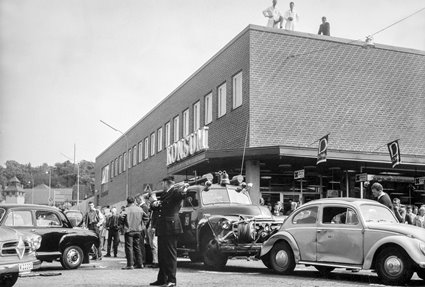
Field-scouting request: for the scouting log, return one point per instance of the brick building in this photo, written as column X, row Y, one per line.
column 266, row 98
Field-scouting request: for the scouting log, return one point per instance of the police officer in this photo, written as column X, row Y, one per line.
column 168, row 229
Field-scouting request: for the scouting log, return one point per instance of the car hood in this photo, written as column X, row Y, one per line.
column 7, row 234
column 237, row 210
column 406, row 229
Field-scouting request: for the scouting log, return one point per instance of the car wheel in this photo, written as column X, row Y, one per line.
column 394, row 266
column 324, row 270
column 282, row 258
column 212, row 256
column 421, row 273
column 195, row 257
column 72, row 257
column 8, row 280
column 266, row 261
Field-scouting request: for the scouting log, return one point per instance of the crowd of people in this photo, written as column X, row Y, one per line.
column 289, row 19
column 145, row 220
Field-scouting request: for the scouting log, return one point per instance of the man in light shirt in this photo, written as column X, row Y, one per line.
column 275, row 19
column 291, row 17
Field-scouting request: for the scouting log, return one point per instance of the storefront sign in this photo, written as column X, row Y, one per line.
column 419, row 180
column 298, row 174
column 361, row 177
column 193, row 143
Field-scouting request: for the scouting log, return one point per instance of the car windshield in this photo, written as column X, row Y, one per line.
column 225, row 195
column 2, row 212
column 376, row 213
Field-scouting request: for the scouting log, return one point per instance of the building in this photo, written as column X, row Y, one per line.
column 42, row 194
column 263, row 102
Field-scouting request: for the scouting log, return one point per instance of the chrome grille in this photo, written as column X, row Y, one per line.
column 9, row 248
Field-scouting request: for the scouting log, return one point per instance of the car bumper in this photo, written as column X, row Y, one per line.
column 14, row 267
column 240, row 249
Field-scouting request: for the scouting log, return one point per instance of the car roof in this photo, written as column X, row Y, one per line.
column 346, row 200
column 32, row 206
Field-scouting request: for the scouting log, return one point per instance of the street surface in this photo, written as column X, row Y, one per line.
column 238, row 272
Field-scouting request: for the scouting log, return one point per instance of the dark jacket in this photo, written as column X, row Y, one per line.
column 168, row 221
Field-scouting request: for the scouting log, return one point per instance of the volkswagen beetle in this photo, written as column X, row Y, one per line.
column 350, row 233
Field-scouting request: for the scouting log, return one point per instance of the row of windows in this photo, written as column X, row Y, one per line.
column 154, row 143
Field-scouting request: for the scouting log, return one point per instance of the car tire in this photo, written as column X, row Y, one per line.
column 282, row 258
column 266, row 261
column 72, row 257
column 324, row 270
column 394, row 266
column 195, row 257
column 8, row 280
column 211, row 254
column 421, row 273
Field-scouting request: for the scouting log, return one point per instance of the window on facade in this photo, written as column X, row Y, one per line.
column 221, row 100
column 167, row 134
column 134, row 155
column 146, row 148
column 237, row 90
column 208, row 108
column 105, row 174
column 159, row 139
column 186, row 123
column 196, row 116
column 111, row 169
column 140, row 151
column 176, row 123
column 130, row 157
column 120, row 164
column 116, row 166
column 152, row 144
column 125, row 161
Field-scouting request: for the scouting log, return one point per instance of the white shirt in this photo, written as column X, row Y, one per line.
column 275, row 15
column 290, row 25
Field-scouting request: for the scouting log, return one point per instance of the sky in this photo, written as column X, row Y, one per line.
column 65, row 65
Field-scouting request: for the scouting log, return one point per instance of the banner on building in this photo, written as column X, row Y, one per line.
column 323, row 149
column 394, row 149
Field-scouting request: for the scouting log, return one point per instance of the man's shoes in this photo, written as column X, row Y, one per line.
column 156, row 283
column 139, row 267
column 99, row 258
column 128, row 268
column 107, row 255
column 115, row 255
column 154, row 265
column 170, row 284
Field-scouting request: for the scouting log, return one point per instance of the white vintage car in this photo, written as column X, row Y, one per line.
column 350, row 233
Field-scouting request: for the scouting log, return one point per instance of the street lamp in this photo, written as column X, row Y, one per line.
column 128, row 155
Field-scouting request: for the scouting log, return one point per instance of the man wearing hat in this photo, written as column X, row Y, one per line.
column 168, row 229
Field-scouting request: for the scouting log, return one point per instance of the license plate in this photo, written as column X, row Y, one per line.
column 25, row 267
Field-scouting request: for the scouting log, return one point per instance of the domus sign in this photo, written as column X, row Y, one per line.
column 188, row 146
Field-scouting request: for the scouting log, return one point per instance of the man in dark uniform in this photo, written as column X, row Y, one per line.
column 168, row 229
column 383, row 197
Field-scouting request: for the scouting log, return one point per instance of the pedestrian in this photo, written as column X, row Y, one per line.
column 113, row 232
column 151, row 228
column 292, row 208
column 168, row 229
column 133, row 219
column 139, row 203
column 102, row 228
column 382, row 197
column 93, row 220
column 420, row 218
column 275, row 19
column 291, row 17
column 415, row 210
column 410, row 216
column 399, row 211
column 325, row 27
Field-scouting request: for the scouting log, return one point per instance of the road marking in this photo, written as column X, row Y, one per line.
column 229, row 273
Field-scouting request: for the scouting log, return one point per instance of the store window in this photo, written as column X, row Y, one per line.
column 159, row 138
column 152, row 144
column 208, row 108
column 146, row 147
column 176, row 134
column 237, row 90
column 196, row 116
column 186, row 123
column 221, row 100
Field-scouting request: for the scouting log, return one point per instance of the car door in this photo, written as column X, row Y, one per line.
column 303, row 229
column 340, row 236
column 49, row 225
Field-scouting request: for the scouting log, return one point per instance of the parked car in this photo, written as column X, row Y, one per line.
column 348, row 233
column 60, row 240
column 17, row 255
column 220, row 221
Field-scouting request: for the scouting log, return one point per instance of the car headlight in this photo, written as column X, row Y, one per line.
column 422, row 247
column 35, row 242
column 225, row 224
